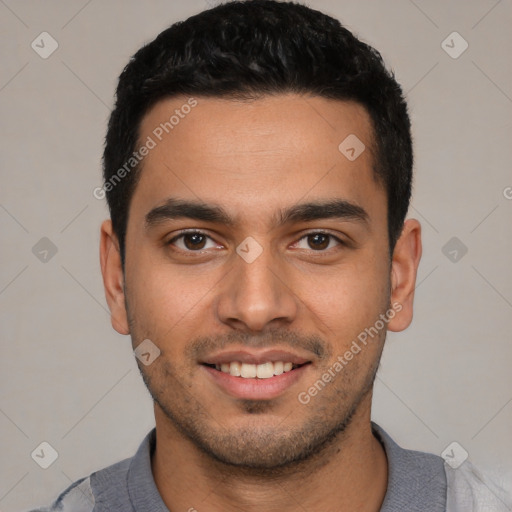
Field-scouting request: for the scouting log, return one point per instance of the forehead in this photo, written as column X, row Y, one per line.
column 259, row 155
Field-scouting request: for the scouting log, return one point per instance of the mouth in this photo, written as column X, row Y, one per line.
column 264, row 370
column 255, row 375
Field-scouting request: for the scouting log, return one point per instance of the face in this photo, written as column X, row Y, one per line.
column 256, row 246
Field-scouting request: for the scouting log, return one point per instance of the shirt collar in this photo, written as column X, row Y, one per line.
column 142, row 489
column 416, row 480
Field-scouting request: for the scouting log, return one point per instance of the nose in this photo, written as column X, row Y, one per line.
column 256, row 293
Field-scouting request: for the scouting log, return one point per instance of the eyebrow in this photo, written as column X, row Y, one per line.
column 175, row 208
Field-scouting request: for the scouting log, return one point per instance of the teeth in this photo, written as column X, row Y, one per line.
column 278, row 367
column 265, row 370
column 250, row 371
column 234, row 369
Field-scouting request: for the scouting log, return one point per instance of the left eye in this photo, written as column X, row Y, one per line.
column 319, row 241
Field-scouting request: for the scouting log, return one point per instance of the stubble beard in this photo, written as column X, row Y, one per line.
column 259, row 451
column 264, row 450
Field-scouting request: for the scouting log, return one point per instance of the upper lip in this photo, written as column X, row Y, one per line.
column 254, row 357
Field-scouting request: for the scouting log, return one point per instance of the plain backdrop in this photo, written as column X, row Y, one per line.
column 69, row 380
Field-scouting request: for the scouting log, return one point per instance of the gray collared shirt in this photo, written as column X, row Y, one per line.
column 417, row 482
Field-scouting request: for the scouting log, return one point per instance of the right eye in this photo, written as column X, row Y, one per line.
column 190, row 241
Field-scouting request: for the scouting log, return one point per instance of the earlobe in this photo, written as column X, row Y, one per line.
column 113, row 278
column 404, row 267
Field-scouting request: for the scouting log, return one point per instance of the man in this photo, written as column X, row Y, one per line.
column 258, row 169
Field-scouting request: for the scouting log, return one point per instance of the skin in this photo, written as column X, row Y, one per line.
column 216, row 452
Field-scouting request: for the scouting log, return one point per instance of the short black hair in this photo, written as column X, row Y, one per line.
column 246, row 50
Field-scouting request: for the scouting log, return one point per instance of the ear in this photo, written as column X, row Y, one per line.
column 113, row 279
column 404, row 267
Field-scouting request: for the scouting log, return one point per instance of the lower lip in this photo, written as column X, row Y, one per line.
column 255, row 389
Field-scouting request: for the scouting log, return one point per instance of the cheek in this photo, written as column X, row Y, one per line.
column 166, row 299
column 349, row 298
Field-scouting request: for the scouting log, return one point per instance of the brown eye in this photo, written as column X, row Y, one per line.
column 318, row 241
column 193, row 241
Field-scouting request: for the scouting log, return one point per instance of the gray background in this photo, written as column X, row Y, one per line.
column 68, row 379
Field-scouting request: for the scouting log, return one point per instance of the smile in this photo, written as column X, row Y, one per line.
column 260, row 371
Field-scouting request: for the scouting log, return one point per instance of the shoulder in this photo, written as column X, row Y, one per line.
column 471, row 491
column 84, row 494
column 78, row 497
column 112, row 488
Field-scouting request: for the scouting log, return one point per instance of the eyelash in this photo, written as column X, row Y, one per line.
column 196, row 232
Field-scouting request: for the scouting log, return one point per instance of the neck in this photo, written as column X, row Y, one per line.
column 350, row 474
